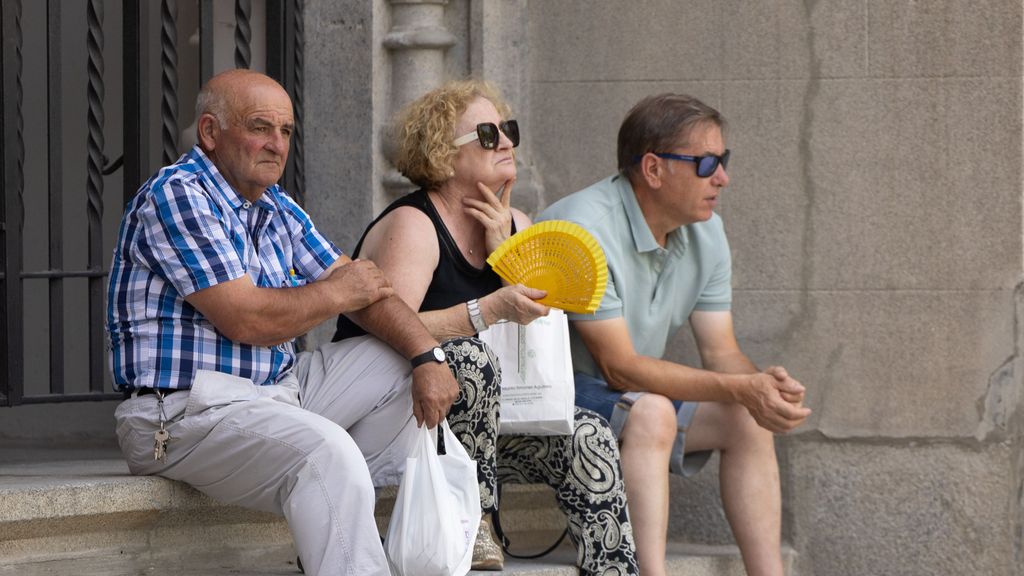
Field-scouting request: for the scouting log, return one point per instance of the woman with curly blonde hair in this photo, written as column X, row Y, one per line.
column 427, row 153
column 456, row 144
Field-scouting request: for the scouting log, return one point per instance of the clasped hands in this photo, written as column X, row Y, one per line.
column 775, row 400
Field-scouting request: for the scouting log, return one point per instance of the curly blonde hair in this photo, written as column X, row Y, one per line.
column 426, row 130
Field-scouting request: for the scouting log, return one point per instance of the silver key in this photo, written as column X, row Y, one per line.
column 160, row 445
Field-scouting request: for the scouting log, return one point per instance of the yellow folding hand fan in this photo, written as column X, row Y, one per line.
column 558, row 256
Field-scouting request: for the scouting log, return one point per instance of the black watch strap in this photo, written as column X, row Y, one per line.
column 435, row 354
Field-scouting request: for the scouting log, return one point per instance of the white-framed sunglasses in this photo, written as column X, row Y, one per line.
column 488, row 134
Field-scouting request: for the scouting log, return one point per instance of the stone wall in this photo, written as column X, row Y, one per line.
column 875, row 222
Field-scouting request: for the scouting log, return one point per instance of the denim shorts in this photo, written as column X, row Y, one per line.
column 594, row 393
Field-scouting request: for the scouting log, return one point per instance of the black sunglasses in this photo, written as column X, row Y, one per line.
column 706, row 165
column 488, row 135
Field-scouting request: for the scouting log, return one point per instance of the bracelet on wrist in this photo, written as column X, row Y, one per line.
column 476, row 318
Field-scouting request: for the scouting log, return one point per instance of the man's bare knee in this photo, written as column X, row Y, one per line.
column 741, row 428
column 651, row 422
column 723, row 426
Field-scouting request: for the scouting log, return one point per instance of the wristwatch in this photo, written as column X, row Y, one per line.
column 435, row 354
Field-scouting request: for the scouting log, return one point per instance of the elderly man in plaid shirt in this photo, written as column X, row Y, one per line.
column 215, row 273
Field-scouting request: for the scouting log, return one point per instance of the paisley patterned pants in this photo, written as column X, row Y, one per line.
column 583, row 468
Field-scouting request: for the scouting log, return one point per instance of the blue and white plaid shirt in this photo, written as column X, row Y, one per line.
column 187, row 230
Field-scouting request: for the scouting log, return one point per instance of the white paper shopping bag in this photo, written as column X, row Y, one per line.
column 537, row 389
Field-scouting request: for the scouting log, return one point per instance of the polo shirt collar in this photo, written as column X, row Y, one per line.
column 643, row 238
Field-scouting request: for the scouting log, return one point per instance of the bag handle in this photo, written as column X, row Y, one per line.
column 505, row 542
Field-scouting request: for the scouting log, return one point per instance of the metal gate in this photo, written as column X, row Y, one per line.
column 95, row 96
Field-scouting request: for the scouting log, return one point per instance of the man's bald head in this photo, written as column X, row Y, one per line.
column 244, row 126
column 220, row 95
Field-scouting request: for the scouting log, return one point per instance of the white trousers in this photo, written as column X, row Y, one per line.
column 315, row 461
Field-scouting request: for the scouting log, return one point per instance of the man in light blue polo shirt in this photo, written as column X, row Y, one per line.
column 669, row 263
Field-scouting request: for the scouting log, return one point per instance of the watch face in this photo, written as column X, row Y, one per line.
column 438, row 354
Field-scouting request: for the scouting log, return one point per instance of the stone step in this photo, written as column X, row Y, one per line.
column 525, row 508
column 71, row 510
column 682, row 560
column 68, row 512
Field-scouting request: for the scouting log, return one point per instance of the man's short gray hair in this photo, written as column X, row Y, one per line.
column 212, row 102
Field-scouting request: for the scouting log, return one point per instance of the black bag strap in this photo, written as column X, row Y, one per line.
column 505, row 542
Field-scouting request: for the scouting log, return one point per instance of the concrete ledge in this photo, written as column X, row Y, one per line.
column 89, row 516
column 55, row 506
column 66, row 508
column 52, row 490
column 525, row 508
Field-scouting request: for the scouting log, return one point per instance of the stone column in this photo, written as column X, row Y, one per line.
column 499, row 52
column 416, row 43
column 340, row 108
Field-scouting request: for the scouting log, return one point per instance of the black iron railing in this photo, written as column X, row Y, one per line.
column 45, row 354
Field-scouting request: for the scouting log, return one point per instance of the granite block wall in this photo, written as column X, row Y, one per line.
column 874, row 216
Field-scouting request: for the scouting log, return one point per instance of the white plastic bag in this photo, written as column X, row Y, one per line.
column 537, row 387
column 437, row 511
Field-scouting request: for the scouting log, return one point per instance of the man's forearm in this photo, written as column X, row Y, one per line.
column 269, row 316
column 735, row 363
column 266, row 316
column 395, row 324
column 673, row 380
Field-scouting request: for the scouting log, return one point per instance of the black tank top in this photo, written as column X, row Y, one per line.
column 455, row 280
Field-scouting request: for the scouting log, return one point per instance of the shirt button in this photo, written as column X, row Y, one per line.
column 246, row 204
